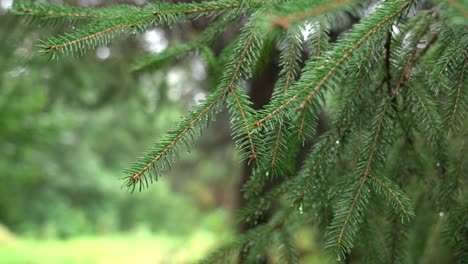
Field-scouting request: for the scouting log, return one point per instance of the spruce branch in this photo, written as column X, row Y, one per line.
column 237, row 69
column 425, row 111
column 290, row 69
column 379, row 19
column 163, row 9
column 312, row 169
column 245, row 112
column 49, row 11
column 400, row 202
column 351, row 208
column 274, row 163
column 414, row 37
column 137, row 20
column 449, row 60
column 248, row 48
column 458, row 108
column 93, row 35
column 349, row 52
column 160, row 158
column 353, row 98
column 452, row 47
column 318, row 40
column 318, row 43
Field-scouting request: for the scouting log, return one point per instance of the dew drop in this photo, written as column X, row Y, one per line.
column 337, row 142
column 300, row 209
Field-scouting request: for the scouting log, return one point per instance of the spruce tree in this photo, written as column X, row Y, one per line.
column 392, row 163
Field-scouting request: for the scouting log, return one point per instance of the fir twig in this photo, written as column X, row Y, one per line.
column 333, row 67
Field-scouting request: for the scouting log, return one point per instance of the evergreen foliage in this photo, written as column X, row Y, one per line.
column 393, row 86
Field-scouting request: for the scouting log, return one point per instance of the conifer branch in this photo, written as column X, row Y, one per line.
column 338, row 125
column 226, row 87
column 359, row 139
column 331, row 139
column 197, row 9
column 136, row 20
column 169, row 147
column 428, row 114
column 349, row 52
column 351, row 208
column 246, row 124
column 459, row 88
column 376, row 138
column 302, row 124
column 318, row 44
column 276, row 147
column 84, row 38
column 289, row 75
column 290, row 55
column 444, row 67
column 90, row 36
column 332, row 69
column 277, row 142
column 55, row 11
column 346, row 220
column 405, row 74
column 234, row 93
column 393, row 194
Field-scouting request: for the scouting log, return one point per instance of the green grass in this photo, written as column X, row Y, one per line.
column 115, row 250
